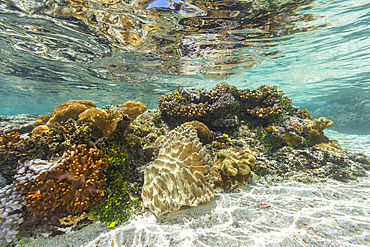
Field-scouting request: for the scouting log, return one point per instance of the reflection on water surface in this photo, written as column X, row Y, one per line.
column 111, row 51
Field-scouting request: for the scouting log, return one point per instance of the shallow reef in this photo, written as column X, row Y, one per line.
column 82, row 163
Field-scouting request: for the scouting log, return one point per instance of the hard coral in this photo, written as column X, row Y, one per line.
column 73, row 182
column 101, row 122
column 235, row 167
column 204, row 134
column 183, row 173
column 132, row 108
column 10, row 215
column 61, row 114
column 224, row 106
column 316, row 131
column 70, row 109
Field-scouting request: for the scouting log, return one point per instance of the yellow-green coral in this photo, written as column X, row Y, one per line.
column 119, row 201
column 235, row 167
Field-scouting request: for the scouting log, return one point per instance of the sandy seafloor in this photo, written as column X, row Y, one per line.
column 260, row 213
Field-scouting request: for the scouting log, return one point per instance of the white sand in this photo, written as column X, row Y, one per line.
column 281, row 214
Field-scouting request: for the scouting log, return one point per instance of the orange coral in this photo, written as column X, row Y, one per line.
column 74, row 181
column 7, row 140
column 101, row 122
column 132, row 108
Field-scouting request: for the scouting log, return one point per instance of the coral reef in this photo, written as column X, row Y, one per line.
column 101, row 122
column 234, row 166
column 73, row 182
column 10, row 215
column 48, row 145
column 182, row 174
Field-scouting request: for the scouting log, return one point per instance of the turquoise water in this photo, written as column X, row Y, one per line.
column 317, row 52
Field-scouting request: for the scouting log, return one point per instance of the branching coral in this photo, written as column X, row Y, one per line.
column 73, row 182
column 10, row 216
column 224, row 106
column 183, row 173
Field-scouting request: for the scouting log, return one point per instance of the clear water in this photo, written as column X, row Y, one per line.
column 316, row 51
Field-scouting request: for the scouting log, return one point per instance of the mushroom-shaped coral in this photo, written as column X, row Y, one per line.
column 181, row 175
column 235, row 167
column 101, row 122
column 10, row 216
column 74, row 181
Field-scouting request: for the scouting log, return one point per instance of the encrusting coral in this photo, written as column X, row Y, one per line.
column 182, row 174
column 10, row 215
column 74, row 181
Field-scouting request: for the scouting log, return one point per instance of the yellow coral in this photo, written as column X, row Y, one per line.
column 235, row 167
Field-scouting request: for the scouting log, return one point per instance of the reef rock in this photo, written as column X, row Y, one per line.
column 183, row 173
column 10, row 215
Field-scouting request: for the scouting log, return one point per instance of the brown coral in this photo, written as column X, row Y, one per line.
column 132, row 108
column 70, row 109
column 235, row 167
column 181, row 175
column 316, row 130
column 101, row 122
column 74, row 181
column 204, row 134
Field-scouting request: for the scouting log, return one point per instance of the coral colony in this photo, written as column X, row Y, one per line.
column 82, row 163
